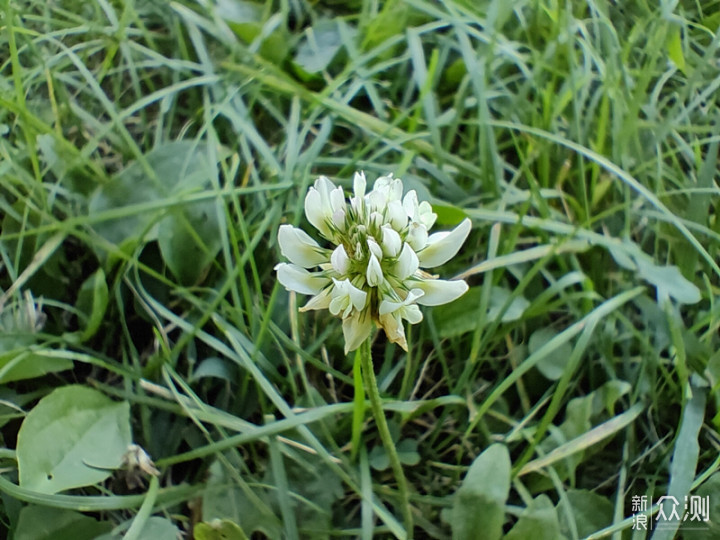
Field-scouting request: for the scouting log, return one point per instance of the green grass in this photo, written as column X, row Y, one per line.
column 151, row 149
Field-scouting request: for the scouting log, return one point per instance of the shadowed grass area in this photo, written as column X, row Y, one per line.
column 149, row 152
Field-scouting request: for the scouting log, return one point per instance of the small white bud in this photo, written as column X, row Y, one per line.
column 374, row 248
column 374, row 273
column 340, row 261
column 417, row 236
column 396, row 215
column 391, row 242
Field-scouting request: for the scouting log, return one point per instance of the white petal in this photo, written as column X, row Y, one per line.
column 388, row 306
column 313, row 211
column 412, row 314
column 374, row 247
column 337, row 199
column 407, row 263
column 376, row 219
column 442, row 247
column 391, row 242
column 318, row 204
column 410, row 203
column 359, row 185
column 338, row 219
column 413, row 296
column 356, row 329
column 358, row 201
column 357, row 297
column 299, row 247
column 340, row 260
column 440, row 291
column 374, row 273
column 396, row 215
column 395, row 189
column 376, row 200
column 346, row 296
column 319, row 301
column 417, row 236
column 425, row 214
column 382, row 182
column 394, row 330
column 338, row 304
column 297, row 279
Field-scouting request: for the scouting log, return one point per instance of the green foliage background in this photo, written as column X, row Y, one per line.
column 149, row 151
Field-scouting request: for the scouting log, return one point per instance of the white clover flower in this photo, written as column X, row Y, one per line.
column 374, row 271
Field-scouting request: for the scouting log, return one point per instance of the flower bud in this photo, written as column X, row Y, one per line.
column 396, row 215
column 340, row 260
column 374, row 273
column 391, row 242
column 417, row 236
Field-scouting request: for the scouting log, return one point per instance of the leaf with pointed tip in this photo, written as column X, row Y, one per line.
column 74, row 437
column 479, row 503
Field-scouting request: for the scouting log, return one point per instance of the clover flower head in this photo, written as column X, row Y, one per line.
column 373, row 273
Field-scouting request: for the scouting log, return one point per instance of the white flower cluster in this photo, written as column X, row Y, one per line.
column 373, row 273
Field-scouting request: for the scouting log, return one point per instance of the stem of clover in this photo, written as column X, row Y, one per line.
column 371, row 387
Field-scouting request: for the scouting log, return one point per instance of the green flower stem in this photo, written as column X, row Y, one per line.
column 374, row 395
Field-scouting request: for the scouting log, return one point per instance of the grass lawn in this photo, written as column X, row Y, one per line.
column 157, row 381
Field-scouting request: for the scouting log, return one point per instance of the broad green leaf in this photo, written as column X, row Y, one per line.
column 74, row 437
column 406, row 451
column 552, row 364
column 609, row 393
column 669, row 282
column 538, row 521
column 19, row 324
column 176, row 166
column 21, row 363
column 92, row 300
column 318, row 46
column 215, row 367
column 621, row 257
column 581, row 414
column 479, row 503
column 448, row 216
column 318, row 489
column 498, row 298
column 158, row 528
column 46, row 523
column 684, row 460
column 219, row 530
column 452, row 319
column 155, row 528
column 247, row 20
column 189, row 239
column 12, row 404
column 590, row 512
column 458, row 317
column 225, row 499
column 188, row 233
